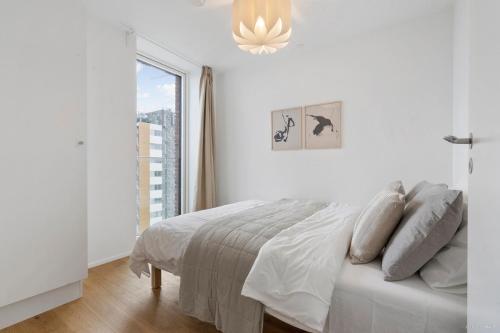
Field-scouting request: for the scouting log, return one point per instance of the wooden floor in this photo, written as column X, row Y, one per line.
column 115, row 300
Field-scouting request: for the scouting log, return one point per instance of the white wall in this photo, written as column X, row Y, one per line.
column 43, row 237
column 111, row 94
column 193, row 116
column 396, row 89
column 111, row 142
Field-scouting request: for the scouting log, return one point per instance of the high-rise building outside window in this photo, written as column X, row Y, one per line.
column 159, row 140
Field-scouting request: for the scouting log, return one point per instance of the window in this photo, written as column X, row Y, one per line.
column 159, row 142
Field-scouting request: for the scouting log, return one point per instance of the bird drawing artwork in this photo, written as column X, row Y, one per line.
column 323, row 127
column 323, row 123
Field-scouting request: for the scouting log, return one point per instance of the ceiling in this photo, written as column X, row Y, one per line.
column 203, row 34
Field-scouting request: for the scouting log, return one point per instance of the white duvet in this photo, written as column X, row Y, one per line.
column 295, row 272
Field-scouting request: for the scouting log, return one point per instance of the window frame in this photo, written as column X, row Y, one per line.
column 184, row 122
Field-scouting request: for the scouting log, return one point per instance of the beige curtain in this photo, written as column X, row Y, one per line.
column 205, row 189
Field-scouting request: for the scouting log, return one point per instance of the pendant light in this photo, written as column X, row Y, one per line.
column 262, row 26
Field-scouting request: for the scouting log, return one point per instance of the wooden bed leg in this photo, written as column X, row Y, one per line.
column 155, row 277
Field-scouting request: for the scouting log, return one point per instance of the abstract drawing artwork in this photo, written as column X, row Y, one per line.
column 323, row 126
column 287, row 129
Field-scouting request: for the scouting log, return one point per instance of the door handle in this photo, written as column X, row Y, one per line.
column 460, row 141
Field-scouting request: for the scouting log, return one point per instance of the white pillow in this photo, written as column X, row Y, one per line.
column 447, row 271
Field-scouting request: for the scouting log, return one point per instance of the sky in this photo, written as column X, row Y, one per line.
column 155, row 88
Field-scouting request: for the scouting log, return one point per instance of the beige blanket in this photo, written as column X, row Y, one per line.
column 220, row 256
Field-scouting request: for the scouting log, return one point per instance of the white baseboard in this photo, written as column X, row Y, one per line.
column 109, row 259
column 30, row 307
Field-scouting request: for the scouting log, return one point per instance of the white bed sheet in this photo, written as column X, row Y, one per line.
column 364, row 303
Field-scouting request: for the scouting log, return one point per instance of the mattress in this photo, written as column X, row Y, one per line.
column 364, row 302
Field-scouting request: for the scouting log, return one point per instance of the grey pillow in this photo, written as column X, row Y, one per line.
column 421, row 186
column 430, row 220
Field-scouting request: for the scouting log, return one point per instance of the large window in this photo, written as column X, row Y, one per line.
column 159, row 151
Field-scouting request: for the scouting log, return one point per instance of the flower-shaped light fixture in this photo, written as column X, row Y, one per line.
column 262, row 26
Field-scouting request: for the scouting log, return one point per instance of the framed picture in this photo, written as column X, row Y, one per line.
column 323, row 126
column 286, row 129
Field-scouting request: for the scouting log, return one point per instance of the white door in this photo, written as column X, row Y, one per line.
column 43, row 243
column 484, row 182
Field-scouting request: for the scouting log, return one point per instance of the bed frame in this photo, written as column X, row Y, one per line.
column 155, row 277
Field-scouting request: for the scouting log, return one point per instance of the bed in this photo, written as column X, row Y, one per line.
column 361, row 301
